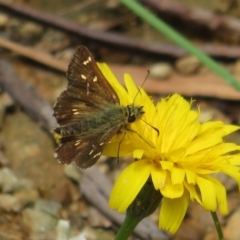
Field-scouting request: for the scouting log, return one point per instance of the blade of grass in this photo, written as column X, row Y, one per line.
column 161, row 26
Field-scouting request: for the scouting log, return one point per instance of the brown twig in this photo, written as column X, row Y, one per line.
column 200, row 85
column 111, row 39
column 27, row 98
column 106, row 38
column 197, row 15
column 34, row 54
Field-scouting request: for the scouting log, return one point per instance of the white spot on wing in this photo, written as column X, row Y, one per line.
column 77, row 142
column 87, row 61
column 88, row 88
column 97, row 154
column 83, row 77
column 91, row 152
column 95, row 79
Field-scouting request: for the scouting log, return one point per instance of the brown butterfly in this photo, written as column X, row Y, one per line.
column 88, row 112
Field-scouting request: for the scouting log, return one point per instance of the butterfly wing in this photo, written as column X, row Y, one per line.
column 87, row 93
column 83, row 153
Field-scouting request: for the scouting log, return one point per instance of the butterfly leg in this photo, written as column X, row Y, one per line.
column 118, row 152
column 130, row 130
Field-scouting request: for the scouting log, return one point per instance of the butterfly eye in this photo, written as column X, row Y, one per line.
column 131, row 118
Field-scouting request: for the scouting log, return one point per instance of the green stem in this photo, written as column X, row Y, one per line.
column 217, row 225
column 181, row 41
column 146, row 202
column 129, row 224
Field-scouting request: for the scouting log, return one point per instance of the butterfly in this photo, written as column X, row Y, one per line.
column 88, row 112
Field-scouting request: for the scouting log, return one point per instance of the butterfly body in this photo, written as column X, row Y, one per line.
column 109, row 118
column 88, row 113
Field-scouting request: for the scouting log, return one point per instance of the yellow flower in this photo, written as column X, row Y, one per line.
column 180, row 160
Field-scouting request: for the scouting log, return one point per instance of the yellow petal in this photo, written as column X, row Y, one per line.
column 172, row 213
column 138, row 153
column 235, row 159
column 191, row 177
column 122, row 93
column 128, row 185
column 172, row 191
column 233, row 172
column 208, row 193
column 203, row 143
column 177, row 175
column 220, row 194
column 131, row 87
column 193, row 193
column 158, row 177
column 226, row 148
column 166, row 165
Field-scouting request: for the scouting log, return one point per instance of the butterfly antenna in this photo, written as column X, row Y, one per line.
column 148, row 73
column 139, row 89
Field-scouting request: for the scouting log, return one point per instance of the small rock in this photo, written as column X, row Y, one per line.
column 91, row 233
column 189, row 230
column 53, row 41
column 79, row 237
column 24, row 184
column 63, row 193
column 160, row 70
column 231, row 230
column 38, row 221
column 26, row 196
column 201, row 217
column 8, row 180
column 211, row 234
column 51, row 207
column 19, row 200
column 207, row 111
column 4, row 19
column 12, row 28
column 5, row 102
column 112, row 4
column 10, row 236
column 72, row 172
column 31, row 30
column 188, row 65
column 223, row 6
column 66, row 55
column 96, row 219
column 233, row 201
column 10, row 203
column 62, row 229
column 236, row 68
column 3, row 159
column 228, row 182
column 88, row 233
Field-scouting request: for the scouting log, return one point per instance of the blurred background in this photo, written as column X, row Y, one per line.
column 41, row 199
